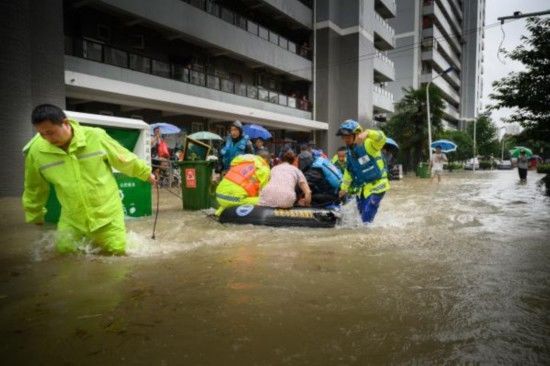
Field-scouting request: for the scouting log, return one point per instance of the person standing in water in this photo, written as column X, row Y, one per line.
column 365, row 171
column 436, row 164
column 523, row 165
column 77, row 161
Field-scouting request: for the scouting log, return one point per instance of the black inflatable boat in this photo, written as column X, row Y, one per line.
column 258, row 215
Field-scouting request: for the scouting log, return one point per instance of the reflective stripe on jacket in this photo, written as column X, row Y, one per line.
column 82, row 177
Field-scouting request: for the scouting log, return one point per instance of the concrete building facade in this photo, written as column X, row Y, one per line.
column 298, row 67
column 432, row 36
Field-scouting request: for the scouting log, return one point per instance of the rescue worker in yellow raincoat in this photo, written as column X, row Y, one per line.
column 242, row 183
column 365, row 169
column 77, row 161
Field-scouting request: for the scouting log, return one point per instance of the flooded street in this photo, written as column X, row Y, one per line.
column 451, row 273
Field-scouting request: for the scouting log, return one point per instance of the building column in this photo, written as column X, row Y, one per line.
column 32, row 72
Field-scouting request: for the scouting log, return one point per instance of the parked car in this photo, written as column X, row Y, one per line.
column 504, row 165
column 470, row 164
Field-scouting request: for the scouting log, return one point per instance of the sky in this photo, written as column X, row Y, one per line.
column 513, row 29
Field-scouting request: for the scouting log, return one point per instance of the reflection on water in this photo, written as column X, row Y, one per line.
column 456, row 272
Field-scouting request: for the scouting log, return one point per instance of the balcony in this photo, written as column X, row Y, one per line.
column 441, row 64
column 457, row 9
column 383, row 68
column 434, row 11
column 450, row 111
column 442, row 44
column 450, row 16
column 209, row 24
column 382, row 100
column 448, row 92
column 386, row 8
column 104, row 54
column 384, row 34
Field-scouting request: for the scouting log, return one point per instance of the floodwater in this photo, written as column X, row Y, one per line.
column 451, row 273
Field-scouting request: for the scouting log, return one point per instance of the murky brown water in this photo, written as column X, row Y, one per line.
column 458, row 272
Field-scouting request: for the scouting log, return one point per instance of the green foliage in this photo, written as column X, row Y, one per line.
column 464, row 144
column 543, row 168
column 409, row 125
column 453, row 166
column 486, row 136
column 485, row 164
column 527, row 91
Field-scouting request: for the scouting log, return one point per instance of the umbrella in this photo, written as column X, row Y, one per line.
column 205, row 135
column 516, row 150
column 445, row 145
column 165, row 128
column 256, row 132
column 391, row 142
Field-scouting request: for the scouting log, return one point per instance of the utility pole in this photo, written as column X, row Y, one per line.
column 519, row 15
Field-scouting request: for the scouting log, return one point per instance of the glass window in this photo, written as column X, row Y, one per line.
column 241, row 90
column 140, row 63
column 213, row 8
column 241, row 22
column 292, row 102
column 227, row 86
column 213, row 82
column 197, row 78
column 273, row 97
column 263, row 33
column 115, row 57
column 263, row 95
column 283, row 42
column 252, row 27
column 228, row 15
column 283, row 99
column 161, row 68
column 292, row 47
column 69, row 46
column 92, row 51
column 273, row 38
column 198, row 3
column 181, row 73
column 252, row 91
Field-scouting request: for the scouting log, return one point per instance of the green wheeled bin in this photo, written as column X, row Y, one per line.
column 423, row 170
column 197, row 189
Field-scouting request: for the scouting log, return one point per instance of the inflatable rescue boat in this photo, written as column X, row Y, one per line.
column 297, row 216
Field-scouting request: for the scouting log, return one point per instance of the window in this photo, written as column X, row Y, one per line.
column 252, row 27
column 140, row 63
column 137, row 41
column 115, row 57
column 227, row 85
column 92, row 51
column 263, row 95
column 213, row 82
column 181, row 73
column 161, row 68
column 263, row 33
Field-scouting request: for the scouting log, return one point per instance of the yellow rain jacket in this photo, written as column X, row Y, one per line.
column 373, row 145
column 241, row 185
column 85, row 186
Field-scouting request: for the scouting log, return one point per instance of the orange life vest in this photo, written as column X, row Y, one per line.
column 243, row 175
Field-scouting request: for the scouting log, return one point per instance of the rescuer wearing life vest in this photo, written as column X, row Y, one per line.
column 236, row 143
column 78, row 162
column 243, row 181
column 365, row 171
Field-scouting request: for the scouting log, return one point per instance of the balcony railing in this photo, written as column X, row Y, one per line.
column 385, row 24
column 383, row 92
column 384, row 58
column 98, row 52
column 246, row 24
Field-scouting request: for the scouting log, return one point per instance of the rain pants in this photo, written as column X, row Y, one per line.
column 91, row 206
column 373, row 145
column 254, row 174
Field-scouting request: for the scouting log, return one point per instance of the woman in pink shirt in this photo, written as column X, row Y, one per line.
column 280, row 192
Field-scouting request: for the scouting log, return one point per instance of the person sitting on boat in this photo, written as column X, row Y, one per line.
column 236, row 143
column 280, row 192
column 243, row 181
column 324, row 180
column 365, row 169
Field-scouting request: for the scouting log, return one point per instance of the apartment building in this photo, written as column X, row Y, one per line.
column 298, row 67
column 432, row 36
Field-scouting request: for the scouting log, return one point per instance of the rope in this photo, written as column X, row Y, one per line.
column 500, row 49
column 156, row 213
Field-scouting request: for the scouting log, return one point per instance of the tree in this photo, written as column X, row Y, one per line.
column 486, row 136
column 527, row 91
column 409, row 124
column 464, row 144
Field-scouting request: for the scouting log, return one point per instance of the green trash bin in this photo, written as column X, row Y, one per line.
column 197, row 189
column 423, row 170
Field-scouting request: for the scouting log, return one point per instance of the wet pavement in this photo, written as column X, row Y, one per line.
column 451, row 273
